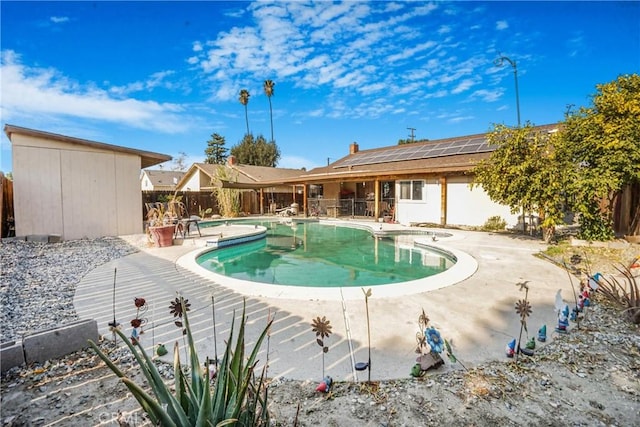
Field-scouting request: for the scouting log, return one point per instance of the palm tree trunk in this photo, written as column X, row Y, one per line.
column 246, row 116
column 271, row 116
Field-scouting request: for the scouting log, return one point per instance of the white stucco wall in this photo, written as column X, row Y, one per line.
column 73, row 190
column 473, row 207
column 420, row 211
column 193, row 183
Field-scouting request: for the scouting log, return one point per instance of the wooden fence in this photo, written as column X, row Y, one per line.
column 195, row 201
column 7, row 224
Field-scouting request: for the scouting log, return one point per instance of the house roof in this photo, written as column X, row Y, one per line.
column 164, row 178
column 450, row 155
column 148, row 158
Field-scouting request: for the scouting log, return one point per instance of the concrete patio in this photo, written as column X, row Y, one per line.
column 476, row 315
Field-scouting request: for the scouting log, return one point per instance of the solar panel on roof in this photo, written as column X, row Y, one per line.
column 420, row 151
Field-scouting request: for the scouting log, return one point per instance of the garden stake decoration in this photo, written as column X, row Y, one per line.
column 322, row 329
column 523, row 308
column 137, row 323
column 361, row 366
column 574, row 314
column 562, row 310
column 429, row 346
column 114, row 324
column 178, row 308
column 215, row 338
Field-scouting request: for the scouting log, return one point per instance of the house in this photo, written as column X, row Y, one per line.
column 75, row 188
column 159, row 180
column 425, row 182
column 260, row 186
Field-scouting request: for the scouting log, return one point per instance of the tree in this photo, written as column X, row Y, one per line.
column 179, row 163
column 523, row 172
column 269, row 91
column 603, row 143
column 244, row 100
column 228, row 199
column 257, row 152
column 216, row 152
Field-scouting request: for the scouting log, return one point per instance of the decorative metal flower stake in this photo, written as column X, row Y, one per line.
column 523, row 308
column 322, row 329
column 177, row 308
column 429, row 345
column 138, row 322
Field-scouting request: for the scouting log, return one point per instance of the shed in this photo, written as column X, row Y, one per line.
column 76, row 188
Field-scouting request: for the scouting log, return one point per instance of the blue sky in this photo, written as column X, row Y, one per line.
column 164, row 76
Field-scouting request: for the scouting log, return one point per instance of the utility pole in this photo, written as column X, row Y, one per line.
column 412, row 134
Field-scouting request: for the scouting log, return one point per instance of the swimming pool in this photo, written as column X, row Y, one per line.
column 321, row 255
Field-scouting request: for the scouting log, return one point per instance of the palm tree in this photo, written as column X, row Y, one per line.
column 268, row 90
column 244, row 100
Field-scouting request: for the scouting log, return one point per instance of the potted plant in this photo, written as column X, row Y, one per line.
column 160, row 225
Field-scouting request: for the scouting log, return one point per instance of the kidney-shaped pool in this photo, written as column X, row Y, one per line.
column 321, row 255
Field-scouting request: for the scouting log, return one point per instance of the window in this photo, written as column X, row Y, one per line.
column 411, row 190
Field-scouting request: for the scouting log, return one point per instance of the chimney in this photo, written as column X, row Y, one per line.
column 231, row 160
column 353, row 148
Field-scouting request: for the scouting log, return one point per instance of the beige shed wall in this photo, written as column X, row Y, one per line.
column 73, row 190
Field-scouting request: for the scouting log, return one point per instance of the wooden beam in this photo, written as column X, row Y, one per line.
column 443, row 200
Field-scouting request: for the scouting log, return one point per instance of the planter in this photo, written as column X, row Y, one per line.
column 162, row 236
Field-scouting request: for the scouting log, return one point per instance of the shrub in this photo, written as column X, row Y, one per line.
column 623, row 292
column 494, row 223
column 237, row 397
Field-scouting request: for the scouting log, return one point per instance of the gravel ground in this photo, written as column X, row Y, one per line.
column 589, row 377
column 37, row 280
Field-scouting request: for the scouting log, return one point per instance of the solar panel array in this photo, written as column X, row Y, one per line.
column 420, row 151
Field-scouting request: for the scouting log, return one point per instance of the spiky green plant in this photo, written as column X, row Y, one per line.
column 238, row 396
column 623, row 292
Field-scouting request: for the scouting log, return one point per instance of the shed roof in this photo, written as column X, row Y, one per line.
column 148, row 158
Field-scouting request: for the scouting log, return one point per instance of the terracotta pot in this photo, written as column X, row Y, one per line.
column 163, row 235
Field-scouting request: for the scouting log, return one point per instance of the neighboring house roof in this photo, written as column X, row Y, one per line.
column 148, row 158
column 162, row 178
column 243, row 176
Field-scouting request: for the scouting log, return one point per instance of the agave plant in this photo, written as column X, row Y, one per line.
column 237, row 397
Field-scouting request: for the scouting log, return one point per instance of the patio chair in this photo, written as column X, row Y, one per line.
column 182, row 220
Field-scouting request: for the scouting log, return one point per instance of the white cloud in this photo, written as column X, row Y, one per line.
column 59, row 19
column 487, row 95
column 463, row 86
column 502, row 25
column 30, row 91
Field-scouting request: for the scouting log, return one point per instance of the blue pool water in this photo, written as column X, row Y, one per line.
column 319, row 255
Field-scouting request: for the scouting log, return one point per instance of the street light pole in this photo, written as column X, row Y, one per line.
column 498, row 62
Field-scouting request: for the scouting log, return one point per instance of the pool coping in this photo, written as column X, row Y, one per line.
column 464, row 267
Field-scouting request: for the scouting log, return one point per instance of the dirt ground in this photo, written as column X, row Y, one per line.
column 587, row 377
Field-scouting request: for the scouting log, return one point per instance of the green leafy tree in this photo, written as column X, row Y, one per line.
column 216, row 152
column 523, row 172
column 256, row 151
column 602, row 141
column 269, row 91
column 244, row 100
